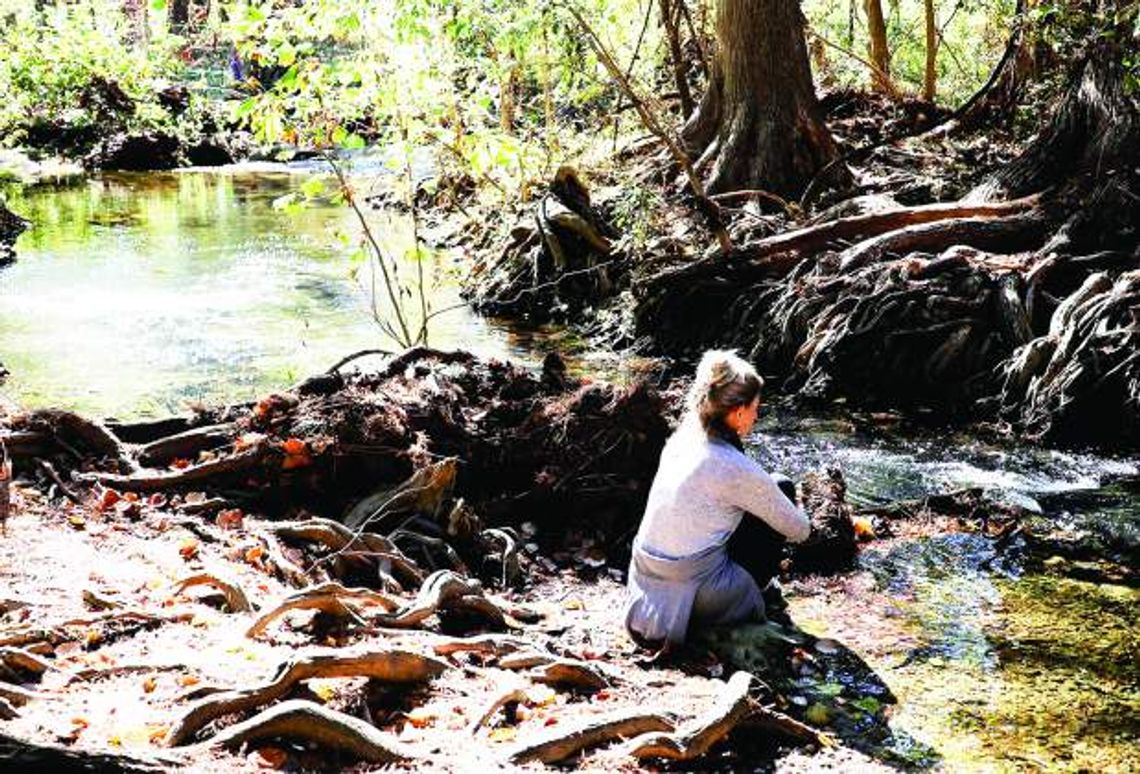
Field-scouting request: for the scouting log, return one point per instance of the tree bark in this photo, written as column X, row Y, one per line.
column 758, row 125
column 669, row 22
column 928, row 81
column 880, row 54
column 178, row 16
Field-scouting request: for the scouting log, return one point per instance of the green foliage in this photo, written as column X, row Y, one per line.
column 66, row 63
column 971, row 37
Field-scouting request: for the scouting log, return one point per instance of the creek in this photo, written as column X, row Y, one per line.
column 137, row 295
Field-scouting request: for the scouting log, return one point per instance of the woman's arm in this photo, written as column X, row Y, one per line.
column 751, row 488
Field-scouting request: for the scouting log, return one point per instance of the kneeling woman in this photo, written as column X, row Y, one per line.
column 681, row 572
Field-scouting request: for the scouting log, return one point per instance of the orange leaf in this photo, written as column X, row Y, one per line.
column 294, row 461
column 180, row 463
column 109, row 498
column 189, row 548
column 294, row 446
column 253, row 555
column 229, row 519
column 188, row 680
column 270, row 757
column 864, row 527
column 149, row 684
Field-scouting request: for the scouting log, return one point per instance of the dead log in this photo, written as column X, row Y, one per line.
column 393, row 666
column 693, row 739
column 305, row 721
column 562, row 745
column 15, row 695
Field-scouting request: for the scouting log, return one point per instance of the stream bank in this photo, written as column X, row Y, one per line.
column 482, row 485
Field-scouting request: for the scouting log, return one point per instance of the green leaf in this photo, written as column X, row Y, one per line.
column 353, row 142
column 313, row 187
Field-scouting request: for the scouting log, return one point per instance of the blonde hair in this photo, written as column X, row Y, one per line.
column 724, row 381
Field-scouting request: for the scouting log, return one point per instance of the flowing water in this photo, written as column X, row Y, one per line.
column 135, row 295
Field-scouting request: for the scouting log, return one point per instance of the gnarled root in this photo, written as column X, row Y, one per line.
column 297, row 719
column 236, row 600
column 339, row 539
column 329, row 598
column 563, row 745
column 443, row 590
column 152, row 481
column 15, row 695
column 396, row 666
column 15, row 662
column 483, row 644
column 696, row 737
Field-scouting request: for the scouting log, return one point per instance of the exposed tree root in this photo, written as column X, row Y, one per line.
column 7, row 711
column 15, row 662
column 777, row 255
column 483, row 644
column 443, row 590
column 19, row 755
column 329, row 598
column 305, row 721
column 565, row 744
column 765, row 719
column 693, row 739
column 236, row 600
column 339, row 538
column 194, row 475
column 186, row 444
column 512, row 696
column 396, row 666
column 15, row 695
column 572, row 674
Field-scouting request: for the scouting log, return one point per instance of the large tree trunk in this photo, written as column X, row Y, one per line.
column 880, row 54
column 758, row 124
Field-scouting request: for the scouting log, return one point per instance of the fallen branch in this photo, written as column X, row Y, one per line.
column 306, row 721
column 394, row 666
column 329, row 598
column 563, row 745
column 13, row 661
column 236, row 600
column 696, row 737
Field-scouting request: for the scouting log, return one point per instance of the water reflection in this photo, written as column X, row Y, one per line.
column 134, row 294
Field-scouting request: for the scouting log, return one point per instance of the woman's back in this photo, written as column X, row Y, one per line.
column 701, row 491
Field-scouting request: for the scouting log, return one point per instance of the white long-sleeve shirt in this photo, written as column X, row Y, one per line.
column 702, row 489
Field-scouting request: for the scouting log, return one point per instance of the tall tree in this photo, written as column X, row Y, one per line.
column 758, row 124
column 928, row 80
column 880, row 54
